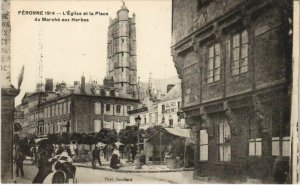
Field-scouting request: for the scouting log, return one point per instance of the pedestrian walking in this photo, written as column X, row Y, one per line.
column 19, row 158
column 96, row 157
column 133, row 152
column 128, row 153
column 108, row 152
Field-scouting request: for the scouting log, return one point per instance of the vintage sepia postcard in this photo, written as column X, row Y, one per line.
column 149, row 91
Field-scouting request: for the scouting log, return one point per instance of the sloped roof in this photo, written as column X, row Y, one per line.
column 180, row 132
column 174, row 93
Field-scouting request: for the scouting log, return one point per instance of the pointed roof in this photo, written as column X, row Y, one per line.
column 123, row 7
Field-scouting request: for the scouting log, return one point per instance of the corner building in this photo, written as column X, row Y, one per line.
column 121, row 51
column 234, row 59
column 82, row 108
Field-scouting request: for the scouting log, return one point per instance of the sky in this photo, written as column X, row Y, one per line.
column 71, row 49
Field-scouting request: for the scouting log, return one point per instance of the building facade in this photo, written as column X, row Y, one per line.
column 121, row 51
column 165, row 113
column 162, row 112
column 82, row 108
column 234, row 60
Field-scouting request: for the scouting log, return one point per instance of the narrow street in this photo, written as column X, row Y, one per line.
column 91, row 176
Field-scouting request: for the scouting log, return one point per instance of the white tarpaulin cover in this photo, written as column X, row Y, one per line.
column 179, row 132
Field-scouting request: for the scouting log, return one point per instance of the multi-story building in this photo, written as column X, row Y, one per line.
column 234, row 60
column 82, row 108
column 162, row 112
column 169, row 106
column 18, row 119
column 165, row 113
column 121, row 51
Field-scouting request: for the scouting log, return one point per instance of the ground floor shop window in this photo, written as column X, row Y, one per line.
column 255, row 140
column 281, row 133
column 255, row 147
column 224, row 141
column 279, row 144
column 203, row 145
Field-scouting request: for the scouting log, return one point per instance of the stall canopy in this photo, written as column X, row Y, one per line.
column 179, row 132
column 145, row 126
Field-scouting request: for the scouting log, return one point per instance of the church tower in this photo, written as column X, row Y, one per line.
column 121, row 51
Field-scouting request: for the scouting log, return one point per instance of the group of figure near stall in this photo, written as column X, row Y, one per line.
column 54, row 165
column 54, row 162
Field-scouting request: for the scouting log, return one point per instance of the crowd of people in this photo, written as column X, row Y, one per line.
column 47, row 156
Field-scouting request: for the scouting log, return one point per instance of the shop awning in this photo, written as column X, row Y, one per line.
column 145, row 126
column 179, row 132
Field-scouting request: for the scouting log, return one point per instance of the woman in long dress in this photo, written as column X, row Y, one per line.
column 115, row 159
column 57, row 169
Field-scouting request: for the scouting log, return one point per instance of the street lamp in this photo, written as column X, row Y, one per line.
column 138, row 155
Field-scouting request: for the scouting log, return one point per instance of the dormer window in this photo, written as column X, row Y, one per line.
column 107, row 92
column 102, row 92
column 112, row 93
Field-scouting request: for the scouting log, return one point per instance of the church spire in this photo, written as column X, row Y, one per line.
column 123, row 7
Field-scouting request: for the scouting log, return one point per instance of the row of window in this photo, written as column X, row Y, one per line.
column 239, row 59
column 35, row 116
column 109, row 108
column 106, row 92
column 167, row 105
column 280, row 143
column 53, row 128
column 112, row 125
column 57, row 109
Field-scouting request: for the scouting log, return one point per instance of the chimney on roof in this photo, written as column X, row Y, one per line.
column 169, row 87
column 108, row 82
column 49, row 85
column 39, row 87
column 82, row 87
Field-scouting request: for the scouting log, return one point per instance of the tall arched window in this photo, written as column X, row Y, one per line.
column 224, row 141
